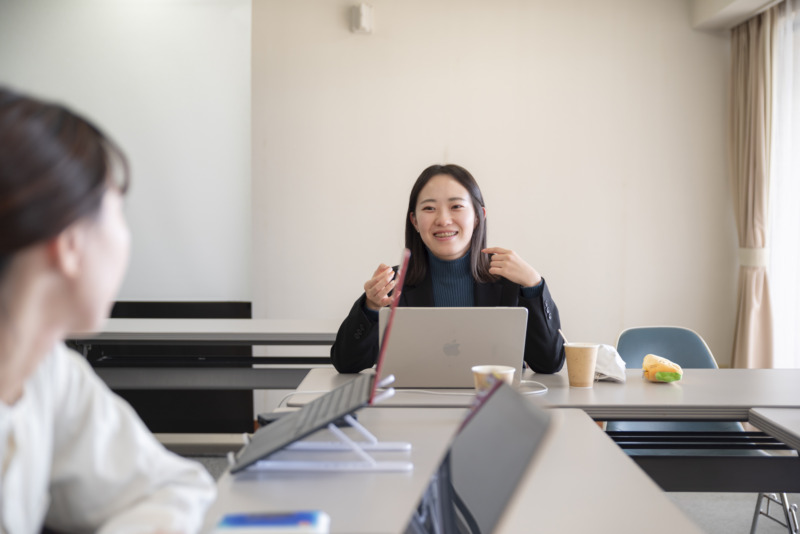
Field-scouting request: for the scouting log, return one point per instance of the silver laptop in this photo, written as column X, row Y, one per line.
column 437, row 347
column 469, row 496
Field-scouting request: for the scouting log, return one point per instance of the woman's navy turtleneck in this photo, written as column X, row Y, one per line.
column 452, row 281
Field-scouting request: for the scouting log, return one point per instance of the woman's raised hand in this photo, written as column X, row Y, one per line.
column 509, row 265
column 378, row 287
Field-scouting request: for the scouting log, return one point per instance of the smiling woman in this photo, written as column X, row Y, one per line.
column 451, row 266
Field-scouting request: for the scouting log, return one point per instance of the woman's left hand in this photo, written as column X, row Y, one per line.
column 509, row 265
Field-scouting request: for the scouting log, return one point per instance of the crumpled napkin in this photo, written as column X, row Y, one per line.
column 610, row 365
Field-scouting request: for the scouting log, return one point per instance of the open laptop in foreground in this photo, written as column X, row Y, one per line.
column 483, row 467
column 324, row 410
column 437, row 347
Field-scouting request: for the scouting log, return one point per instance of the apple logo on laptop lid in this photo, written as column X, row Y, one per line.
column 452, row 348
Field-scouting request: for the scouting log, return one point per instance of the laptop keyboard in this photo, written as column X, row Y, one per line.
column 315, row 415
column 339, row 402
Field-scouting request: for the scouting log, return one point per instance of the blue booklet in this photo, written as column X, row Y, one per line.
column 306, row 521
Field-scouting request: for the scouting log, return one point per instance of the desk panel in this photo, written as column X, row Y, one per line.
column 580, row 481
column 577, row 468
column 207, row 363
column 702, row 394
column 222, row 331
column 780, row 423
column 201, row 373
column 368, row 503
column 209, row 378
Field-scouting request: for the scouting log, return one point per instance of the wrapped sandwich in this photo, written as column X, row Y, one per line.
column 658, row 369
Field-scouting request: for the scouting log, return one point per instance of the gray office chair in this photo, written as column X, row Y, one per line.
column 688, row 349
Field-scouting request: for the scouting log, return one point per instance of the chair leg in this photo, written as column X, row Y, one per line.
column 789, row 512
column 757, row 513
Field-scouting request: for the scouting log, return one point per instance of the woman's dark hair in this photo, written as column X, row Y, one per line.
column 55, row 167
column 479, row 263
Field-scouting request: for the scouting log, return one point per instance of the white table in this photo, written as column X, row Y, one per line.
column 286, row 373
column 780, row 423
column 702, row 394
column 132, row 369
column 578, row 481
column 227, row 331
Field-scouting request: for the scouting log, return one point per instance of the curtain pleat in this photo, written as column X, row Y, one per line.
column 752, row 68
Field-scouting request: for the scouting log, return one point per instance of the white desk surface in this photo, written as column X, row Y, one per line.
column 356, row 502
column 579, row 481
column 780, row 423
column 251, row 331
column 718, row 394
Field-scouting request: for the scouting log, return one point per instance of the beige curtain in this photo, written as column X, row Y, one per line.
column 753, row 57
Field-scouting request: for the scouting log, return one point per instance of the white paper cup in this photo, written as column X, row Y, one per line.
column 486, row 375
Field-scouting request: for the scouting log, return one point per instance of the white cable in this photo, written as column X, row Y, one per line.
column 431, row 392
column 541, row 391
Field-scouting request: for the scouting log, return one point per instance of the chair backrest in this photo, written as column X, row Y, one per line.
column 680, row 345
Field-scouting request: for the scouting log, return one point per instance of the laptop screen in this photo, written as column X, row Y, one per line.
column 485, row 463
column 401, row 276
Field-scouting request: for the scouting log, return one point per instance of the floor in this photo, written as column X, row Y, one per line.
column 728, row 513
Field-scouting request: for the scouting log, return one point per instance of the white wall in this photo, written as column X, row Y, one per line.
column 170, row 81
column 596, row 130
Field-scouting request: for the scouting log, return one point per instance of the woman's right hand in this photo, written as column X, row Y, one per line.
column 378, row 287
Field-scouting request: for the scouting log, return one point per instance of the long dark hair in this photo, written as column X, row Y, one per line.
column 479, row 263
column 55, row 167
